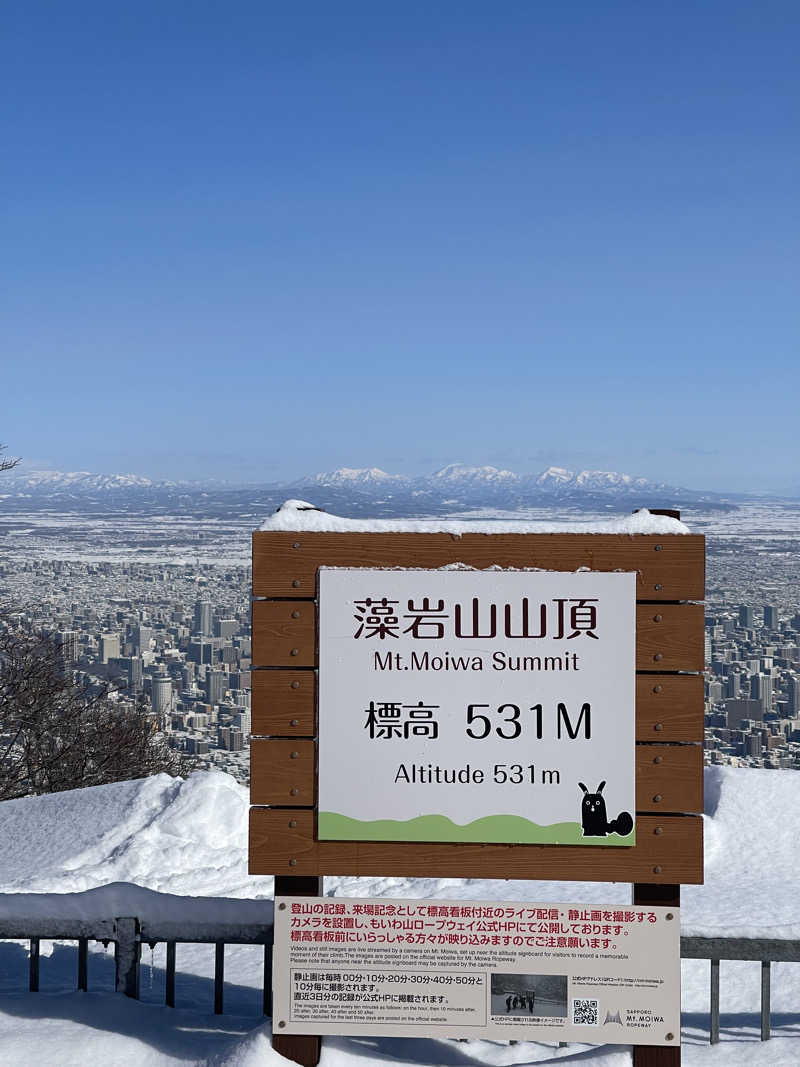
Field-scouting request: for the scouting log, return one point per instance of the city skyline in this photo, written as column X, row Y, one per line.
column 256, row 244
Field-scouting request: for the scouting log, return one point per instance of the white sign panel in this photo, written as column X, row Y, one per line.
column 535, row 972
column 477, row 706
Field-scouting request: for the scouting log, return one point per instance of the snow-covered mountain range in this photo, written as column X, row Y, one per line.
column 454, row 486
column 457, row 479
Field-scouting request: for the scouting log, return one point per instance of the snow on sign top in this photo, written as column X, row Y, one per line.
column 298, row 515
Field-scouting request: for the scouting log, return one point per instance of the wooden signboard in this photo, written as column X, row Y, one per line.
column 668, row 849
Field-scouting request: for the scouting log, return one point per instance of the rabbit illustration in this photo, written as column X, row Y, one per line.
column 594, row 820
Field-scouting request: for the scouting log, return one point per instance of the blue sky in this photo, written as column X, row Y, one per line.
column 255, row 240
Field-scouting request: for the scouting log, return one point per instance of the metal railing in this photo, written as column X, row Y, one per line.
column 763, row 950
column 129, row 933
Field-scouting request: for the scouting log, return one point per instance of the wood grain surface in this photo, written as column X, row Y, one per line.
column 670, row 567
column 283, row 772
column 669, row 707
column 283, row 703
column 669, row 637
column 669, row 778
column 668, row 849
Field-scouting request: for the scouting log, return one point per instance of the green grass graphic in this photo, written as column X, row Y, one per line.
column 492, row 829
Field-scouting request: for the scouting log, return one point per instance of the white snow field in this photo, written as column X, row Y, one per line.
column 150, row 842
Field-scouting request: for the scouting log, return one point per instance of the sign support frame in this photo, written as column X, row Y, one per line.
column 298, row 589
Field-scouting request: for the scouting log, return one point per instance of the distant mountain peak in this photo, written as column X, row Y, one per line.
column 356, row 477
column 460, row 472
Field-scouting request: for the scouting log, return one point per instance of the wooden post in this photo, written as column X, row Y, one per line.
column 302, row 1048
column 666, row 896
column 662, row 896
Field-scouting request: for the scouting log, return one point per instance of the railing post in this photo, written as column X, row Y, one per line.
column 83, row 964
column 219, row 976
column 765, row 975
column 33, row 966
column 169, row 989
column 127, row 949
column 714, row 1021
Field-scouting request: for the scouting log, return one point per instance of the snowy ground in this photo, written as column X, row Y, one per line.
column 189, row 838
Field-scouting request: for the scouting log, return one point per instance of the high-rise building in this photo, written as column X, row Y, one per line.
column 770, row 617
column 761, row 690
column 225, row 628
column 162, row 694
column 746, row 615
column 131, row 669
column 68, row 645
column 216, row 684
column 733, row 685
column 142, row 636
column 109, row 647
column 202, row 618
column 793, row 693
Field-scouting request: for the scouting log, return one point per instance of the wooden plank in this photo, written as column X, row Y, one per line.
column 669, row 637
column 670, row 567
column 669, row 778
column 668, row 850
column 284, row 701
column 282, row 772
column 669, row 707
column 284, row 633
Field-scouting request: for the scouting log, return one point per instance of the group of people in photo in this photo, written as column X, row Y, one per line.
column 517, row 1001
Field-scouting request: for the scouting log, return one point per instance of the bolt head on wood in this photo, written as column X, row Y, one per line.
column 295, row 685
column 658, row 726
column 657, row 798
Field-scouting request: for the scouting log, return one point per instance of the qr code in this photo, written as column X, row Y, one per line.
column 584, row 1012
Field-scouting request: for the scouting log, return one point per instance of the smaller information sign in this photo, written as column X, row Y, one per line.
column 479, row 969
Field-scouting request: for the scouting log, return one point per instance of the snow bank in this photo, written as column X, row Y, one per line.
column 122, row 898
column 300, row 516
column 166, row 834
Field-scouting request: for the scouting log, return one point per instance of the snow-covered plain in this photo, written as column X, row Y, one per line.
column 149, row 842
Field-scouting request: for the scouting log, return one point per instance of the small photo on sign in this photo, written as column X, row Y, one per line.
column 542, row 995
